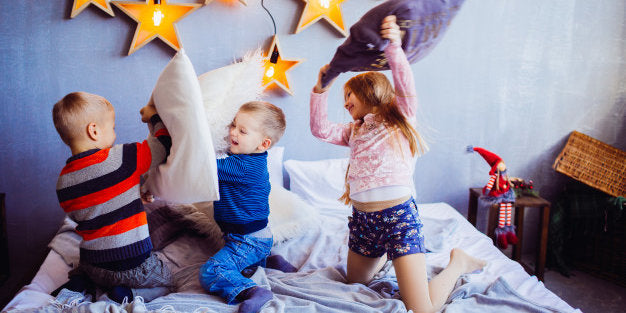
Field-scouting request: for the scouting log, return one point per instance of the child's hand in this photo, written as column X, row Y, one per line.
column 147, row 197
column 318, row 87
column 147, row 111
column 390, row 30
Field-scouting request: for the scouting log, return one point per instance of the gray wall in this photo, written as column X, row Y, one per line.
column 514, row 77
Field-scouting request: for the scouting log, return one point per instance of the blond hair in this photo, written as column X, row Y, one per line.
column 75, row 111
column 272, row 118
column 373, row 89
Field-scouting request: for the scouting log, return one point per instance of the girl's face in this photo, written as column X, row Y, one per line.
column 355, row 107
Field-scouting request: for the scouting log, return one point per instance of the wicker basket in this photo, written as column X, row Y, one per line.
column 594, row 163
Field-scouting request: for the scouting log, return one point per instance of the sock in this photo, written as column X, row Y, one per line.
column 249, row 271
column 118, row 293
column 510, row 235
column 253, row 299
column 509, row 208
column 78, row 283
column 277, row 262
column 502, row 215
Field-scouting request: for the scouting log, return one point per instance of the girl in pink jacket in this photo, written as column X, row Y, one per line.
column 383, row 147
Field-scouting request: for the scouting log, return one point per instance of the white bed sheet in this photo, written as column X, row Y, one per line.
column 325, row 245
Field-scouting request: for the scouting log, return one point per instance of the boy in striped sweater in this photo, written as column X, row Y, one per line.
column 99, row 189
column 243, row 209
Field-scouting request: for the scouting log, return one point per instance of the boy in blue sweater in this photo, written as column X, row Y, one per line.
column 243, row 209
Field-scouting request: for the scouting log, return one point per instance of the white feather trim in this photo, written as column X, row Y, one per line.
column 225, row 89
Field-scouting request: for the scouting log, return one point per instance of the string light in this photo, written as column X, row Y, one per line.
column 275, row 66
column 274, row 58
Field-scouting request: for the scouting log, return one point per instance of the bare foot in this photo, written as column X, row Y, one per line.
column 467, row 262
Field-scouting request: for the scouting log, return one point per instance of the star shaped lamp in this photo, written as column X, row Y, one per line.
column 326, row 9
column 80, row 5
column 275, row 68
column 155, row 18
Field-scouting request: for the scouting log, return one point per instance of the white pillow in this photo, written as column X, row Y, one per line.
column 225, row 89
column 190, row 173
column 275, row 165
column 290, row 216
column 320, row 183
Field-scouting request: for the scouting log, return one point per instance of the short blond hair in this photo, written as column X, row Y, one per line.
column 271, row 117
column 75, row 111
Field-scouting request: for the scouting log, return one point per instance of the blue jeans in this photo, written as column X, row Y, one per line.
column 221, row 274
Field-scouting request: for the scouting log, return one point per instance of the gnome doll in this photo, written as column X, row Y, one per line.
column 498, row 190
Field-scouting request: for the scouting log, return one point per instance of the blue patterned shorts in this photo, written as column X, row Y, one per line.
column 396, row 230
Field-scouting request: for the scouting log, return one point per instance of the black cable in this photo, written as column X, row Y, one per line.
column 268, row 12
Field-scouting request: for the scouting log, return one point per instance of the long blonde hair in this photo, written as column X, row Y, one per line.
column 374, row 90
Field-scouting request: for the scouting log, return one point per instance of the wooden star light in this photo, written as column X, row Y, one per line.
column 80, row 5
column 275, row 67
column 155, row 19
column 326, row 9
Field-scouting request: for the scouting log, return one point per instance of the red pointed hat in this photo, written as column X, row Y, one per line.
column 491, row 158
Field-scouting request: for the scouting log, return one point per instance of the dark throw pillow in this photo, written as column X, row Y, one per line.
column 423, row 22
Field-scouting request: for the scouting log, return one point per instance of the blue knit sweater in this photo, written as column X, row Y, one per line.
column 244, row 186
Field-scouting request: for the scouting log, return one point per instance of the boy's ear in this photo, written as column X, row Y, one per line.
column 265, row 144
column 92, row 131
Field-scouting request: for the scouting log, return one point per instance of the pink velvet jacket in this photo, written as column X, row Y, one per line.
column 378, row 156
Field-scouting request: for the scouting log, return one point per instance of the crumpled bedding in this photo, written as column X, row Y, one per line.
column 319, row 285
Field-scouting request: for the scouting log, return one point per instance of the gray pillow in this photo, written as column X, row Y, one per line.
column 423, row 21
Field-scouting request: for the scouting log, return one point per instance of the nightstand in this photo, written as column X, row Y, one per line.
column 521, row 203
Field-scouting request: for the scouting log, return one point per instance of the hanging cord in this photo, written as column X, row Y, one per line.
column 268, row 12
column 274, row 57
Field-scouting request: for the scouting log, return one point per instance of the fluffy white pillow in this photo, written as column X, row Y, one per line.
column 225, row 89
column 290, row 216
column 320, row 183
column 190, row 173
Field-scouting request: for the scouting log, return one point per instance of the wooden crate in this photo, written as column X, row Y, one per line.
column 594, row 163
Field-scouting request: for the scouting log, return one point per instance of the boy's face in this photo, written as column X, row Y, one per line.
column 245, row 134
column 107, row 135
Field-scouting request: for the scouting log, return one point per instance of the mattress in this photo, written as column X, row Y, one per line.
column 319, row 285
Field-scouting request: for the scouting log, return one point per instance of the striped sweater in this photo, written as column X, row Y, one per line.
column 244, row 186
column 99, row 190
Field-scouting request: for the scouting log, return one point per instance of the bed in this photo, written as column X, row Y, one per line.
column 313, row 237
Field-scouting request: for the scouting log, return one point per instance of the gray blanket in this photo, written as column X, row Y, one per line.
column 318, row 286
column 495, row 297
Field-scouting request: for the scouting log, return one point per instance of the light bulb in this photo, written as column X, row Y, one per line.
column 157, row 16
column 325, row 3
column 270, row 71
